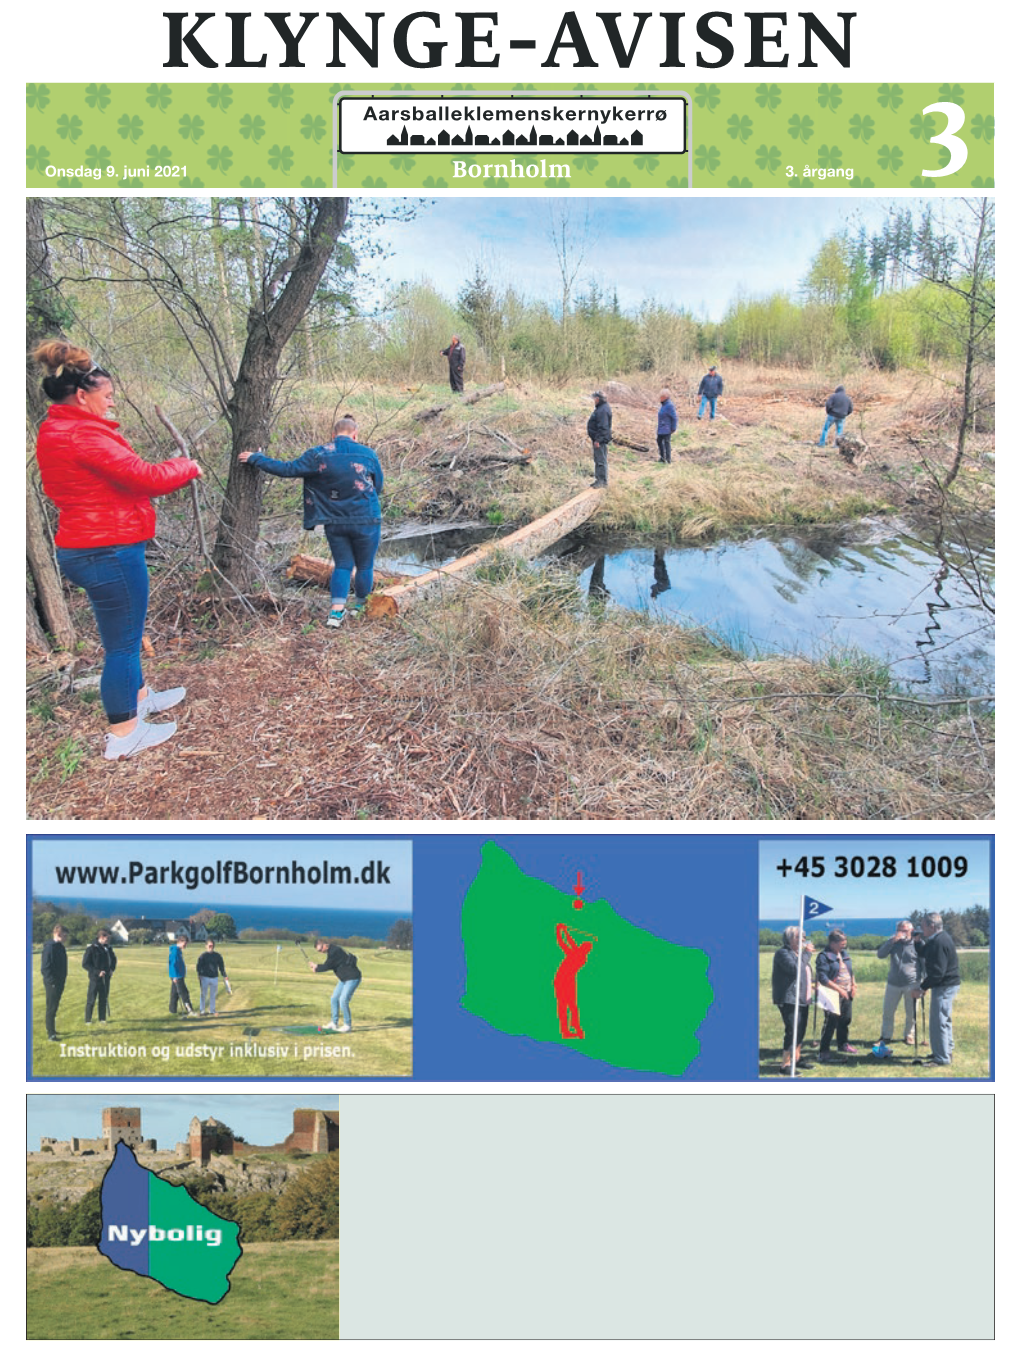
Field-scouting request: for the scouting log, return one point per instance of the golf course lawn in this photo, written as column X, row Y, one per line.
column 971, row 1056
column 280, row 1290
column 265, row 1000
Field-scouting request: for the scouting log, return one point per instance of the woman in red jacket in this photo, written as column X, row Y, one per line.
column 102, row 491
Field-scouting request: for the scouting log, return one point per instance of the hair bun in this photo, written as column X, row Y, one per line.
column 59, row 356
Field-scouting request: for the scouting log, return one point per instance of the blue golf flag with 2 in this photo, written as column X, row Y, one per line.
column 813, row 908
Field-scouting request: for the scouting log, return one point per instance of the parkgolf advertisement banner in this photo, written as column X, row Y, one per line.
column 622, row 959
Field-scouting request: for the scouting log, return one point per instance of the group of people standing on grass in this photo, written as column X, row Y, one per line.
column 100, row 962
column 600, row 424
column 103, row 492
column 919, row 961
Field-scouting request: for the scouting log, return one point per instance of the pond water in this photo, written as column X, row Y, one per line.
column 814, row 593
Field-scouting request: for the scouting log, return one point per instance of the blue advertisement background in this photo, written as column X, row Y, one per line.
column 699, row 891
column 695, row 891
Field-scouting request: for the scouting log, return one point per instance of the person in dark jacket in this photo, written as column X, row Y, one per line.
column 210, row 968
column 178, row 987
column 348, row 980
column 834, row 969
column 665, row 427
column 791, row 985
column 942, row 979
column 343, row 483
column 457, row 357
column 54, row 976
column 600, row 432
column 99, row 961
column 837, row 408
column 710, row 390
column 102, row 491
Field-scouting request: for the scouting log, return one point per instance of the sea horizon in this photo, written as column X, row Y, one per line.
column 851, row 925
column 334, row 923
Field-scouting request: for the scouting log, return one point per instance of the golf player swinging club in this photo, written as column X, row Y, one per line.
column 348, row 980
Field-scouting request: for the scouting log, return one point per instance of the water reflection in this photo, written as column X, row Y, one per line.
column 914, row 604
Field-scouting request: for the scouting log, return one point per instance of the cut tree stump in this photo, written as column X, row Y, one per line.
column 851, row 448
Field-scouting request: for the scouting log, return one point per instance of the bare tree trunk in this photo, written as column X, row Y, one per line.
column 42, row 320
column 270, row 327
column 973, row 298
column 49, row 602
column 221, row 272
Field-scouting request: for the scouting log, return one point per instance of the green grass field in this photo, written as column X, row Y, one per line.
column 146, row 1040
column 284, row 1290
column 970, row 1031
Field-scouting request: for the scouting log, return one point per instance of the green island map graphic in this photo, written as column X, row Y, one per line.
column 528, row 947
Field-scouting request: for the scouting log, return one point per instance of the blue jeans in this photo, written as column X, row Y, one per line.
column 341, row 1000
column 353, row 546
column 832, row 421
column 116, row 579
column 942, row 1023
column 207, row 993
column 701, row 409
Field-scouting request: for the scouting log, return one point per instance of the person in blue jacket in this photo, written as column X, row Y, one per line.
column 666, row 426
column 343, row 483
column 710, row 389
column 178, row 987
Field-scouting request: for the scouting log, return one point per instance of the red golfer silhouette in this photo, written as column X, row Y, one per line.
column 565, row 981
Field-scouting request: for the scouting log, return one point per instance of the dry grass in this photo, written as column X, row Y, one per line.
column 498, row 702
column 757, row 464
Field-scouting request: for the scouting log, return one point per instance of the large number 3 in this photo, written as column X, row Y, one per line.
column 955, row 118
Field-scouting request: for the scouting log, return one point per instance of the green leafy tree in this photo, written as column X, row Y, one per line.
column 47, row 1226
column 85, row 1219
column 401, row 935
column 221, row 926
column 308, row 1208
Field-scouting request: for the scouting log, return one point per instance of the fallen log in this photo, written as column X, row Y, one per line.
column 469, row 399
column 526, row 543
column 629, row 444
column 482, row 461
column 318, row 571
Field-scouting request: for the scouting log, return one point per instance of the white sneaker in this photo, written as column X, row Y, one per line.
column 329, row 1028
column 156, row 702
column 344, row 1029
column 143, row 736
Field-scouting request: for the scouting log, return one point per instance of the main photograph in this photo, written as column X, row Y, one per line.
column 510, row 507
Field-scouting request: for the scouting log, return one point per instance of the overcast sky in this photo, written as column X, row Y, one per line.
column 693, row 252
